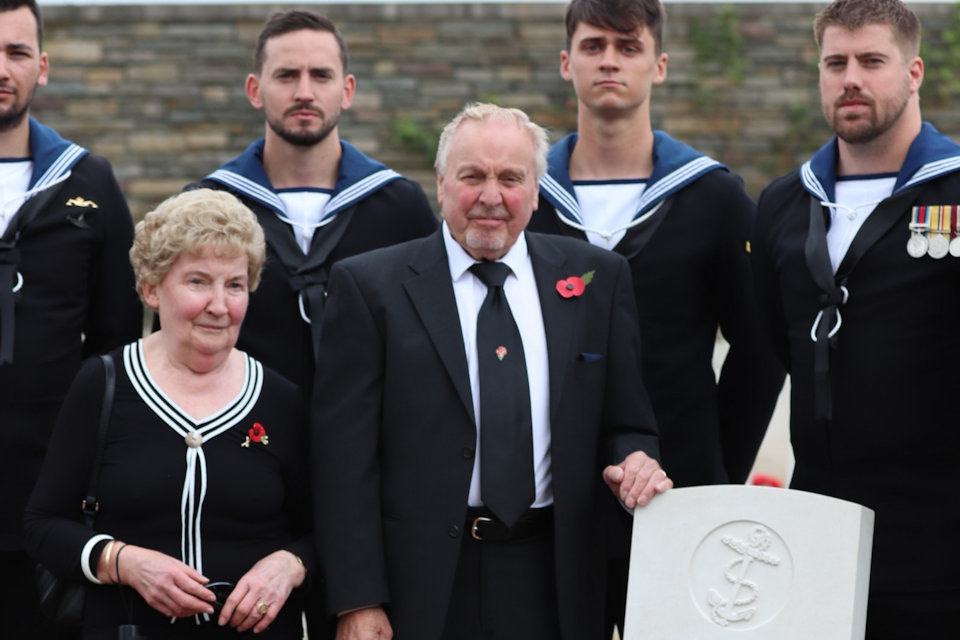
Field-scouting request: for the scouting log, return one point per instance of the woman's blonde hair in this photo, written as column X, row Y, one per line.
column 191, row 222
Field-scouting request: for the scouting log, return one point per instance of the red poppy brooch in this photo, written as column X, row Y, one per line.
column 574, row 285
column 257, row 435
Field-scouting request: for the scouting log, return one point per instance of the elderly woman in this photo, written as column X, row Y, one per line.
column 203, row 476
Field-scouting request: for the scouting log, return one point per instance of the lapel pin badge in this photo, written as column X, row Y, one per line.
column 501, row 352
column 257, row 435
column 78, row 201
column 573, row 286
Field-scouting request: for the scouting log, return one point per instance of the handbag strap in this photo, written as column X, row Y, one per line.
column 90, row 505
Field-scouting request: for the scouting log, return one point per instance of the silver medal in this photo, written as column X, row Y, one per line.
column 955, row 247
column 917, row 245
column 939, row 246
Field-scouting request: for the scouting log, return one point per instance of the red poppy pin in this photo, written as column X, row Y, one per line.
column 257, row 435
column 501, row 352
column 574, row 285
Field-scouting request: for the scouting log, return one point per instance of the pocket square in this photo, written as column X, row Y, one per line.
column 588, row 357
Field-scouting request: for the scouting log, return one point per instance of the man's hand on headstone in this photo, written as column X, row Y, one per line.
column 637, row 479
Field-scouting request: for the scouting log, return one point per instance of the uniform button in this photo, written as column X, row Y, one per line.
column 454, row 531
column 467, row 453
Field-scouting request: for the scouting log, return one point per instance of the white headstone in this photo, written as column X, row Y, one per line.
column 737, row 562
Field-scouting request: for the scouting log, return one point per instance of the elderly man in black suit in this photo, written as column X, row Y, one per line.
column 478, row 385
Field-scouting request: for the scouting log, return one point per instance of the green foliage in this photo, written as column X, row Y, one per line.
column 415, row 138
column 940, row 51
column 718, row 45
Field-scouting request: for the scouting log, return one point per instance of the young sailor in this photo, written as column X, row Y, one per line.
column 683, row 221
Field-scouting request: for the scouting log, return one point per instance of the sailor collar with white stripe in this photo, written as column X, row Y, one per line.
column 675, row 165
column 53, row 157
column 931, row 155
column 358, row 177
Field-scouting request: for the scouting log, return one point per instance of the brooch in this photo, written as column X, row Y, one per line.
column 257, row 435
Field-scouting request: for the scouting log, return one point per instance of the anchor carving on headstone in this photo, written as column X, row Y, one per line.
column 743, row 591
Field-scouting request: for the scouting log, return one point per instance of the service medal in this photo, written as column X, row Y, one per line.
column 954, row 231
column 955, row 247
column 939, row 234
column 938, row 247
column 917, row 246
column 919, row 224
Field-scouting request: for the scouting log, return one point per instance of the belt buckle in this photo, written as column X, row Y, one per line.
column 473, row 527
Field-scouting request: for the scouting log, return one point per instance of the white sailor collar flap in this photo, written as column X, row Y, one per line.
column 675, row 166
column 359, row 177
column 931, row 156
column 53, row 157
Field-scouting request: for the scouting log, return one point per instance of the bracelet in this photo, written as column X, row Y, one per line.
column 122, row 547
column 107, row 552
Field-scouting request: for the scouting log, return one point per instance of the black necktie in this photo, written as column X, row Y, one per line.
column 506, row 438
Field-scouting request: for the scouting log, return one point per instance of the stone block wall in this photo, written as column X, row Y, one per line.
column 159, row 89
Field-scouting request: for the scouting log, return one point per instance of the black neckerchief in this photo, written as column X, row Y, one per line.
column 9, row 259
column 308, row 273
column 833, row 287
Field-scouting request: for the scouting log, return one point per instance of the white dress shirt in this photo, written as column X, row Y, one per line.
column 520, row 289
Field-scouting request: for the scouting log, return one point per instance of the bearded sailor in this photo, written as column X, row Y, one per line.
column 66, row 288
column 861, row 299
column 318, row 198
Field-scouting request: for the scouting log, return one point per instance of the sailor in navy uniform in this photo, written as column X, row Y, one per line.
column 318, row 198
column 855, row 278
column 66, row 289
column 683, row 222
column 685, row 232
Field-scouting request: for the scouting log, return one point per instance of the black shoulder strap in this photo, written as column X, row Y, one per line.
column 27, row 212
column 90, row 504
column 9, row 260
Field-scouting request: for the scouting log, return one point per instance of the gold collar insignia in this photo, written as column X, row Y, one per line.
column 81, row 202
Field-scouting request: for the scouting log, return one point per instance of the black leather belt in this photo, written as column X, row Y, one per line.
column 484, row 526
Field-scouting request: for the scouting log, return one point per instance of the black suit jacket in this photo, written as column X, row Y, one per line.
column 394, row 430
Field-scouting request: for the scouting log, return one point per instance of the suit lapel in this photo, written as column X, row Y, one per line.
column 558, row 316
column 431, row 292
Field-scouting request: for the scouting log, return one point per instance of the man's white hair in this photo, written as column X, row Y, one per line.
column 483, row 112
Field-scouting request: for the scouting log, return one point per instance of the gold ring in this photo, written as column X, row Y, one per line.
column 262, row 608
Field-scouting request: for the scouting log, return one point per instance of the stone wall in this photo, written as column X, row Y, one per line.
column 159, row 89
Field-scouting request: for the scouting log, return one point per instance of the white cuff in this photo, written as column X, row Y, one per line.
column 85, row 556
